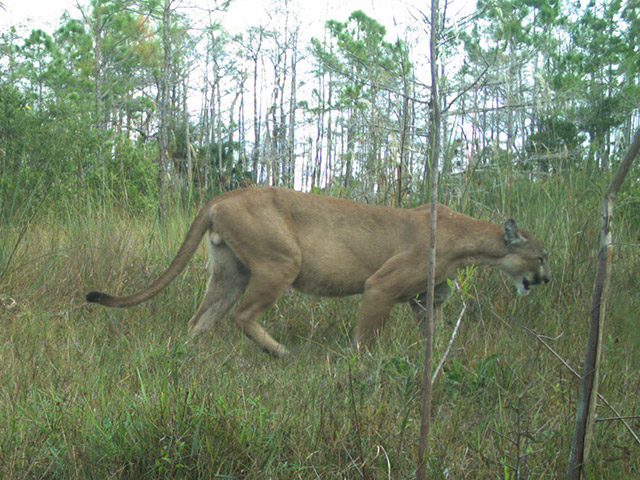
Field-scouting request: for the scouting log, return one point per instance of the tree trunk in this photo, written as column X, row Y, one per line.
column 163, row 133
column 256, row 119
column 291, row 142
column 187, row 137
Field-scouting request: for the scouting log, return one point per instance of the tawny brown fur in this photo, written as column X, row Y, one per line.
column 265, row 240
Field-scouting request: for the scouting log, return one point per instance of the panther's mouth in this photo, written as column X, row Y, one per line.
column 523, row 286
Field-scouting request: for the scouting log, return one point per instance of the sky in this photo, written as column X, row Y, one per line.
column 242, row 12
column 41, row 12
column 395, row 15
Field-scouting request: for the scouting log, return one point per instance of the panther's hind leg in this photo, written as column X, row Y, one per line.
column 228, row 280
column 269, row 248
column 265, row 286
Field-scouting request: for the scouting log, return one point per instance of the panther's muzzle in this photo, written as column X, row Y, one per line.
column 525, row 285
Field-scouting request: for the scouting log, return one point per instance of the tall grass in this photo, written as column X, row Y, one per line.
column 92, row 393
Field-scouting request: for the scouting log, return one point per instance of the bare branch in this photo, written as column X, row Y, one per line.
column 541, row 338
column 454, row 333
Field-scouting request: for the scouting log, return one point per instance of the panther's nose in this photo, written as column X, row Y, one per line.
column 537, row 279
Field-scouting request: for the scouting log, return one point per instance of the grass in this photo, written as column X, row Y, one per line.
column 92, row 393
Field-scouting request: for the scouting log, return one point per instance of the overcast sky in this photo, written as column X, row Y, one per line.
column 395, row 15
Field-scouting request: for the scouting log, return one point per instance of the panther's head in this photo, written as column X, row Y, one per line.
column 526, row 259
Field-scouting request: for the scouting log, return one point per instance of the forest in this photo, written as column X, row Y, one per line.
column 120, row 122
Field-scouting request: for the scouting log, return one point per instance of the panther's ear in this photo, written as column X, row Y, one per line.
column 512, row 236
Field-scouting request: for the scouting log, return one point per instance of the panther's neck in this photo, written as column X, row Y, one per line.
column 481, row 243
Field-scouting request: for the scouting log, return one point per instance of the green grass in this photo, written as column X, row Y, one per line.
column 93, row 393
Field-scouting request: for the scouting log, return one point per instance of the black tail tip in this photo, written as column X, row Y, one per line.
column 96, row 297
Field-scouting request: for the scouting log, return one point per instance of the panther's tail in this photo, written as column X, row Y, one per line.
column 200, row 225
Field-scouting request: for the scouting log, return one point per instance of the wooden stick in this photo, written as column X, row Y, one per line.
column 425, row 417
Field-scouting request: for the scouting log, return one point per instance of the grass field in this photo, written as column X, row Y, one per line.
column 93, row 393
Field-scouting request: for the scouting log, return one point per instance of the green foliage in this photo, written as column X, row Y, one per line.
column 584, row 69
column 362, row 56
column 556, row 144
column 461, row 380
column 364, row 68
column 130, row 175
column 61, row 138
column 598, row 67
column 515, row 21
column 51, row 153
